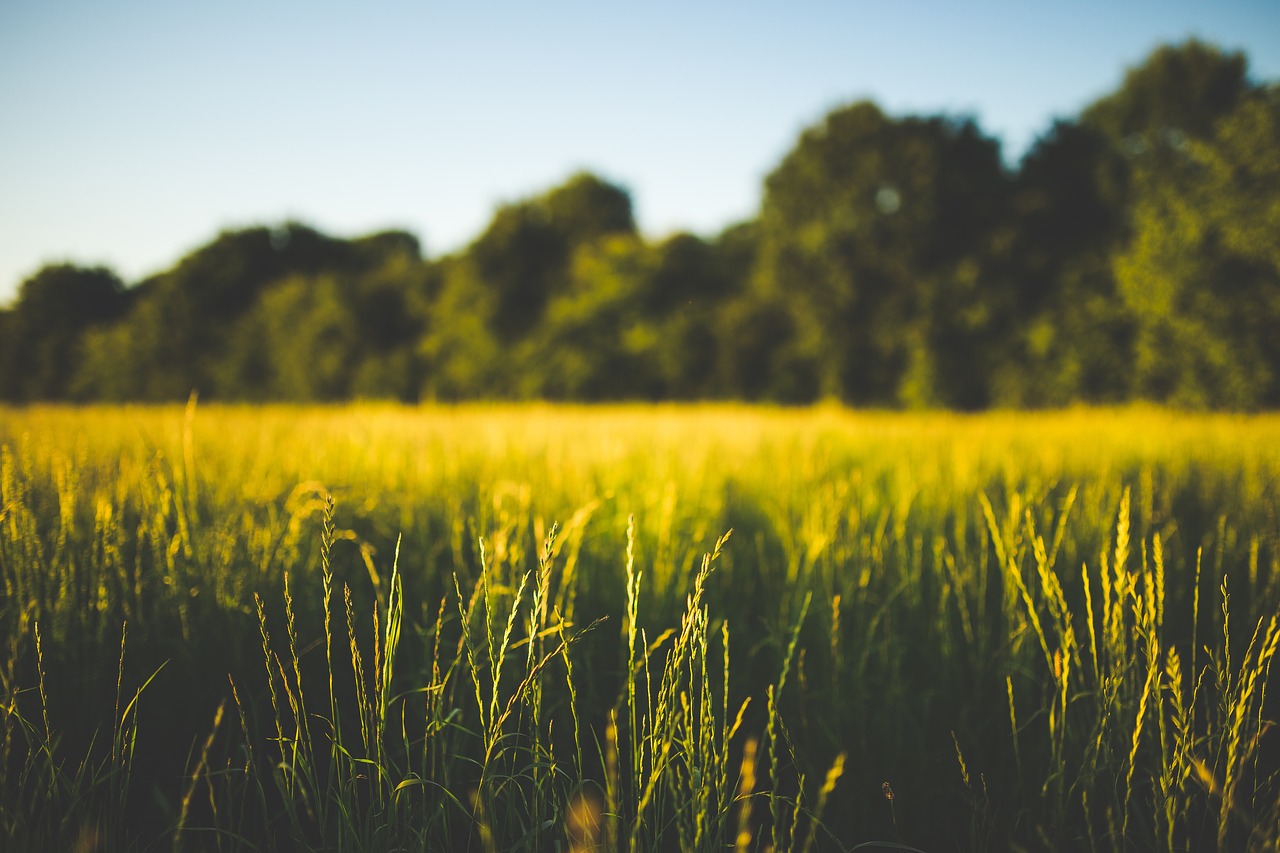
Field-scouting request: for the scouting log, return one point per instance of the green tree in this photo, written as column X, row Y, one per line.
column 43, row 336
column 201, row 325
column 391, row 302
column 1076, row 208
column 494, row 295
column 754, row 331
column 462, row 357
column 524, row 254
column 873, row 233
column 8, row 334
column 1202, row 271
column 348, row 332
column 1154, row 316
column 312, row 339
column 597, row 341
column 1178, row 91
column 1073, row 335
column 636, row 321
column 690, row 282
column 761, row 356
column 107, row 368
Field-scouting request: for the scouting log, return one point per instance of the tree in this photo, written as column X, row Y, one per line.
column 761, row 354
column 1163, row 301
column 1202, row 271
column 494, row 295
column 691, row 279
column 44, row 332
column 200, row 325
column 524, row 254
column 873, row 233
column 349, row 331
column 1072, row 337
column 391, row 303
column 597, row 342
column 311, row 339
column 1178, row 91
column 462, row 357
column 635, row 321
column 1075, row 210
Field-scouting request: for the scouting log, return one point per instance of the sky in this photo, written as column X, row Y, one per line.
column 132, row 132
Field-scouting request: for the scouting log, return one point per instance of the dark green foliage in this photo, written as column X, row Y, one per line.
column 284, row 313
column 1073, row 334
column 760, row 354
column 42, row 336
column 1200, row 275
column 1181, row 89
column 524, row 255
column 495, row 298
column 895, row 262
column 635, row 321
column 875, row 231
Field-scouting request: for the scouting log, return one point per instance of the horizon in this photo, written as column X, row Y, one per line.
column 141, row 132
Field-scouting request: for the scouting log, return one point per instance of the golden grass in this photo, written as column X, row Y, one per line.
column 541, row 605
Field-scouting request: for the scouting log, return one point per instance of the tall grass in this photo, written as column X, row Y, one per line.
column 528, row 628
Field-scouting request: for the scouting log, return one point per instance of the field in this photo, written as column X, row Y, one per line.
column 700, row 628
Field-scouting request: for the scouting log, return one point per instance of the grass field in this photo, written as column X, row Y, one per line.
column 524, row 628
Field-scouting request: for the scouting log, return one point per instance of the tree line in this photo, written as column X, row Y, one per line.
column 1132, row 254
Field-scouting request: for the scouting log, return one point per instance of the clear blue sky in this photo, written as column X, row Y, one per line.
column 131, row 132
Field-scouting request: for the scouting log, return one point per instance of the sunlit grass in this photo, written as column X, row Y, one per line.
column 503, row 627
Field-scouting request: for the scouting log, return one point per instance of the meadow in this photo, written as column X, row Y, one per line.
column 637, row 628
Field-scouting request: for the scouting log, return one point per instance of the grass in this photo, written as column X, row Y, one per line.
column 500, row 628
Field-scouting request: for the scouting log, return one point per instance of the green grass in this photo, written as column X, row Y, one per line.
column 500, row 628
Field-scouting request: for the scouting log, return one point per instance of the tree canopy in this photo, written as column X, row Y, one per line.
column 875, row 233
column 895, row 261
